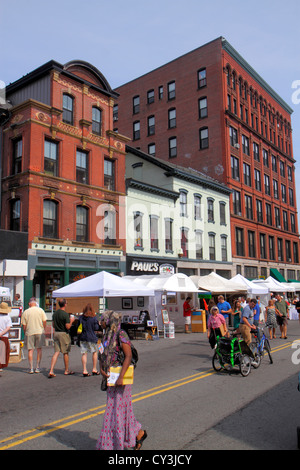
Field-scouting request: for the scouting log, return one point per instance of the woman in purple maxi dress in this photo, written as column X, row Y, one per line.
column 120, row 429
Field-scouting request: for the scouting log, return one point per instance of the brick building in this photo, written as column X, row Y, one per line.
column 211, row 111
column 63, row 175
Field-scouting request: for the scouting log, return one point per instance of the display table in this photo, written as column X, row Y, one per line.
column 133, row 327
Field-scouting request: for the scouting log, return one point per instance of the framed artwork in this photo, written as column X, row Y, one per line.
column 165, row 316
column 150, row 323
column 135, row 318
column 16, row 321
column 14, row 334
column 127, row 303
column 14, row 349
column 140, row 301
column 164, row 299
column 126, row 319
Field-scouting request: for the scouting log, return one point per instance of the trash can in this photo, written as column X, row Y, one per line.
column 199, row 321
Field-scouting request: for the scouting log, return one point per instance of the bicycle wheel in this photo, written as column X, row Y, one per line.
column 245, row 365
column 267, row 348
column 216, row 363
column 256, row 361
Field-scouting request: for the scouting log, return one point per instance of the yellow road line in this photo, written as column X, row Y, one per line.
column 40, row 431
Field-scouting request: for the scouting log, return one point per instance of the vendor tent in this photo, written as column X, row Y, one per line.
column 178, row 282
column 103, row 284
column 273, row 285
column 217, row 284
column 252, row 288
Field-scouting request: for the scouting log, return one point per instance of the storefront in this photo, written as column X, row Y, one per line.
column 50, row 270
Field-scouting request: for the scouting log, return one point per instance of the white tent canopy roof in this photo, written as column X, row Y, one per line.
column 103, row 284
column 218, row 284
column 273, row 285
column 252, row 288
column 178, row 282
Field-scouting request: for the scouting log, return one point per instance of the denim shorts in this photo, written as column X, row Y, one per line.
column 85, row 347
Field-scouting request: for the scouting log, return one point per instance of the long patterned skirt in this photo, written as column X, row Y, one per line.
column 120, row 428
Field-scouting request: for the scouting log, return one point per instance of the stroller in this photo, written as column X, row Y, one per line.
column 232, row 353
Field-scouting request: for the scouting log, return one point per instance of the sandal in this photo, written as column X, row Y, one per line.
column 96, row 373
column 69, row 373
column 86, row 375
column 50, row 376
column 139, row 442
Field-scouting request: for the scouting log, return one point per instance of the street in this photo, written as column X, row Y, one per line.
column 177, row 396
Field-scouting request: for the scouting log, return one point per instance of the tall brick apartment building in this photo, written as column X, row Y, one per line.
column 210, row 110
column 63, row 175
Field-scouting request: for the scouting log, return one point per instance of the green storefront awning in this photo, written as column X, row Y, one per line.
column 276, row 274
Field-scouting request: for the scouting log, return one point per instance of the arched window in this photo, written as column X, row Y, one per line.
column 50, row 219
column 81, row 224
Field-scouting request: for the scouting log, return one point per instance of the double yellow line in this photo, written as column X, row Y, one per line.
column 39, row 431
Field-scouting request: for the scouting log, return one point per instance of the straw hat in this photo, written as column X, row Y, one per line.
column 4, row 308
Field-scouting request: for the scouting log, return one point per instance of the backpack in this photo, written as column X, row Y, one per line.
column 134, row 353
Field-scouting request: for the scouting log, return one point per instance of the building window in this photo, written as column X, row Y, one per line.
column 285, row 220
column 275, row 189
column 172, row 147
column 265, row 158
column 115, row 112
column 271, row 248
column 237, row 206
column 203, row 108
column 15, row 215
column 184, row 242
column 203, row 133
column 268, row 214
column 109, row 224
column 262, row 240
column 288, row 252
column 136, row 130
column 154, row 232
column 201, row 78
column 247, row 174
column 160, row 92
column 151, row 149
column 256, row 152
column 296, row 253
column 210, row 210
column 277, row 217
column 293, row 225
column 68, row 109
column 267, row 185
column 259, row 211
column 239, row 241
column 183, row 203
column 251, row 244
column 212, row 246
column 172, row 118
column 291, row 196
column 280, row 249
column 109, row 174
column 171, row 91
column 245, row 145
column 50, row 219
column 283, row 193
column 168, row 235
column 248, row 207
column 136, row 104
column 150, row 96
column 224, row 247
column 51, row 158
column 199, row 244
column 257, row 179
column 96, row 121
column 197, row 207
column 222, row 213
column 151, row 125
column 82, row 167
column 17, row 156
column 235, row 168
column 233, row 134
column 138, row 230
column 81, row 224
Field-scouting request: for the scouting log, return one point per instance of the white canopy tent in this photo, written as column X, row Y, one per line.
column 167, row 283
column 273, row 285
column 252, row 288
column 217, row 284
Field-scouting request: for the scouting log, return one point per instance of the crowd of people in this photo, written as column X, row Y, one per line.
column 246, row 315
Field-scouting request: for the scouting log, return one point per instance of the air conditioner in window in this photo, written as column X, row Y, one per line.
column 237, row 146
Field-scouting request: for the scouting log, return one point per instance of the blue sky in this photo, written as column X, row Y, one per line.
column 125, row 39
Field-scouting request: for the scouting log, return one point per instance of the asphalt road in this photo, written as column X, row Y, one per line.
column 181, row 401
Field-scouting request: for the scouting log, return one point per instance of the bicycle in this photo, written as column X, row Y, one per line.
column 262, row 344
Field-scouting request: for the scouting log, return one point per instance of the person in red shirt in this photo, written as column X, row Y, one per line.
column 187, row 313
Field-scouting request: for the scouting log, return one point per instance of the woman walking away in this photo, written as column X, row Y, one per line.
column 270, row 318
column 89, row 339
column 120, row 429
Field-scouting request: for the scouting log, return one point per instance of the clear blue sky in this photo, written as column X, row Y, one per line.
column 125, row 39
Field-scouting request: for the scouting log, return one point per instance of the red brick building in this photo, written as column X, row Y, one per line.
column 63, row 174
column 210, row 110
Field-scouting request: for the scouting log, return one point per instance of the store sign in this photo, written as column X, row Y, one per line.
column 150, row 267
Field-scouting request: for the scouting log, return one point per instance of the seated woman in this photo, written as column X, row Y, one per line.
column 213, row 326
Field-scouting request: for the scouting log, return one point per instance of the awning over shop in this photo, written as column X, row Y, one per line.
column 277, row 275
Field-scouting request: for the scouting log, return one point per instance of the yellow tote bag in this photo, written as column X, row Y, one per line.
column 114, row 373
